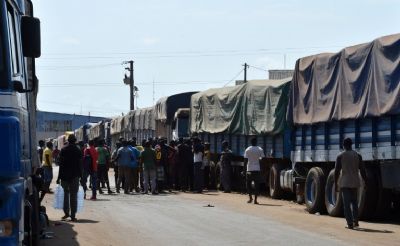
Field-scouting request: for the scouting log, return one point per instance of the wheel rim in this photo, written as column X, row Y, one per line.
column 332, row 199
column 311, row 191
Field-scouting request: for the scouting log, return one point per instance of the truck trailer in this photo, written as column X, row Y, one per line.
column 353, row 93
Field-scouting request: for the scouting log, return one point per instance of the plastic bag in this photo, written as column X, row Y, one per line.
column 80, row 199
column 58, row 202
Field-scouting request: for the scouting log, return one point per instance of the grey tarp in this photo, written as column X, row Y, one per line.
column 79, row 133
column 97, row 131
column 144, row 119
column 166, row 107
column 116, row 125
column 359, row 81
column 256, row 107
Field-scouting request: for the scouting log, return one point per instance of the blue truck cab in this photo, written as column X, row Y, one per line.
column 19, row 46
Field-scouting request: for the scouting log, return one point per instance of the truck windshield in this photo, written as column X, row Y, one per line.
column 183, row 127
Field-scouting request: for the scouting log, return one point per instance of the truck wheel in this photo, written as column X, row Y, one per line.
column 28, row 236
column 275, row 190
column 300, row 193
column 333, row 200
column 314, row 190
column 367, row 196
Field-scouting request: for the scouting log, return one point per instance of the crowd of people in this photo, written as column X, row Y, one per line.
column 156, row 167
column 150, row 167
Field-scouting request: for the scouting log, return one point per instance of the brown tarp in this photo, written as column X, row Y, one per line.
column 357, row 82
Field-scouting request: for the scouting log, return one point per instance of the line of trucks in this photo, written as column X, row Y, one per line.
column 300, row 122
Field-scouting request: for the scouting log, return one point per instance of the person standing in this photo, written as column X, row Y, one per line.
column 198, row 165
column 91, row 154
column 102, row 165
column 348, row 164
column 56, row 152
column 47, row 165
column 124, row 158
column 226, row 167
column 148, row 159
column 40, row 150
column 133, row 167
column 206, row 165
column 115, row 162
column 70, row 159
column 253, row 155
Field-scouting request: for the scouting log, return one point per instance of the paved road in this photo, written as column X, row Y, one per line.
column 185, row 219
column 173, row 220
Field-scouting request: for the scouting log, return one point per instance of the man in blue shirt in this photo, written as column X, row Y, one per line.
column 133, row 167
column 124, row 158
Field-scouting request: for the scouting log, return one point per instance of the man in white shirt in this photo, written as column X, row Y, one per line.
column 253, row 155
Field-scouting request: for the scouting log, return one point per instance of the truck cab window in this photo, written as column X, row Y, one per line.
column 14, row 44
column 3, row 80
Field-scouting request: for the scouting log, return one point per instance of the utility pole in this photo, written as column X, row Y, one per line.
column 131, row 84
column 245, row 72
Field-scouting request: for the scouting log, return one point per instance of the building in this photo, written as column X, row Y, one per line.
column 52, row 124
column 280, row 73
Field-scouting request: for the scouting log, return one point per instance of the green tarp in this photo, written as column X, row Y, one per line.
column 256, row 107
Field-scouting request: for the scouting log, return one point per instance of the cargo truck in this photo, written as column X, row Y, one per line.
column 353, row 93
column 19, row 46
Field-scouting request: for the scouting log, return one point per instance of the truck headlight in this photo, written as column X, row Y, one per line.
column 6, row 227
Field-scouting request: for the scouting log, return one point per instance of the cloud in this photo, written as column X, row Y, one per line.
column 150, row 41
column 70, row 41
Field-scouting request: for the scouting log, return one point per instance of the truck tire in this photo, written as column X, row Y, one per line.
column 314, row 190
column 367, row 196
column 300, row 193
column 275, row 190
column 333, row 199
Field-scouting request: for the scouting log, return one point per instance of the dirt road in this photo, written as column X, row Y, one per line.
column 207, row 219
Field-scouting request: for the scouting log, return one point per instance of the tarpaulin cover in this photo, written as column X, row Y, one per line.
column 357, row 82
column 256, row 107
column 97, row 131
column 166, row 107
column 116, row 125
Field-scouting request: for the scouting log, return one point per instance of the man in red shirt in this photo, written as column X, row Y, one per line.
column 90, row 156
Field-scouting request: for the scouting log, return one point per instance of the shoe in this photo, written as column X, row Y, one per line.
column 250, row 201
column 351, row 227
column 356, row 224
column 118, row 191
column 101, row 191
column 154, row 193
column 255, row 202
column 65, row 217
column 84, row 195
column 93, row 198
column 73, row 219
column 110, row 192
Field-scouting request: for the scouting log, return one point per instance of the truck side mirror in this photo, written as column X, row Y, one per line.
column 30, row 32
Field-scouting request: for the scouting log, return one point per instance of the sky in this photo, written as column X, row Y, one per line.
column 186, row 45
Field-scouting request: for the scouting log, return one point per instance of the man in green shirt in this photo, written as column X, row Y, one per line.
column 148, row 160
column 102, row 166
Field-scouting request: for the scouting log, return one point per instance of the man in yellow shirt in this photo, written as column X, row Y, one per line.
column 47, row 165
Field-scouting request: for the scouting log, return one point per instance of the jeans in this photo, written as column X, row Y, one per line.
column 71, row 188
column 102, row 176
column 350, row 205
column 149, row 174
column 93, row 180
column 253, row 176
column 124, row 174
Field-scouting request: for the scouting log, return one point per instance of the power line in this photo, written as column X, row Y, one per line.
column 196, row 51
column 259, row 68
column 237, row 75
